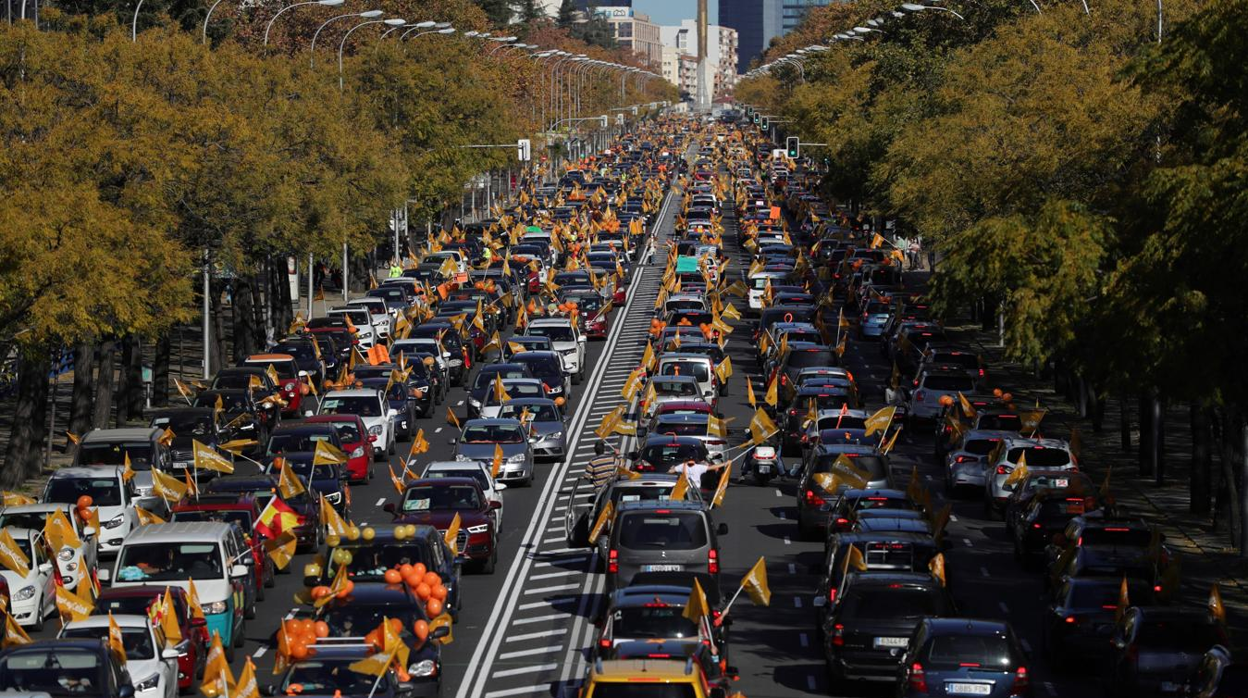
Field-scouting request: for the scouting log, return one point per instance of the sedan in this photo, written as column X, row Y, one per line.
column 481, row 439
column 545, row 421
column 963, row 657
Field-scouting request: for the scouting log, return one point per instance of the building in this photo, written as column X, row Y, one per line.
column 634, row 32
column 759, row 21
column 721, row 49
column 671, row 64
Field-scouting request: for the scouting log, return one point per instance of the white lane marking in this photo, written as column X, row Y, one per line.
column 534, row 636
column 547, row 590
column 544, row 689
column 546, row 604
column 561, row 561
column 1026, row 645
column 953, row 518
column 804, row 639
column 787, row 541
column 260, row 651
column 1049, row 688
column 968, row 542
column 983, row 571
column 461, row 403
column 438, row 430
column 792, row 568
column 556, row 539
column 779, row 493
column 381, row 501
column 551, row 575
column 536, row 668
column 810, row 682
column 797, row 602
column 539, row 619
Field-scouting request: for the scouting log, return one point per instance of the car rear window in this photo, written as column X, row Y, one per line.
column 697, row 369
column 963, row 360
column 655, row 531
column 980, row 447
column 1181, row 635
column 948, row 383
column 1117, row 536
column 1040, row 457
column 881, row 604
column 1000, row 422
column 958, row 651
column 872, row 464
column 807, row 358
column 653, row 621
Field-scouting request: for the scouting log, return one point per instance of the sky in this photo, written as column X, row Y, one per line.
column 672, row 11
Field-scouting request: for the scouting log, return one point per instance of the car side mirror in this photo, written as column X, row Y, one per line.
column 88, row 532
column 239, row 571
column 440, row 632
column 495, row 504
column 126, row 691
column 388, row 507
column 170, row 653
column 103, row 574
column 721, row 530
column 500, row 486
column 303, row 374
column 581, row 339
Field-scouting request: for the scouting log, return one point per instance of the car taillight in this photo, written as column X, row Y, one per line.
column 838, row 635
column 918, row 680
column 1075, row 621
column 1001, row 470
column 842, row 521
column 981, row 373
column 832, row 595
column 1035, row 525
column 963, row 459
column 1021, row 682
column 613, row 561
column 712, row 561
column 604, row 643
column 813, row 499
column 919, row 394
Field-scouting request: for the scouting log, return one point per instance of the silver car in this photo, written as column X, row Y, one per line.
column 670, row 388
column 1050, row 454
column 545, row 420
column 966, row 462
column 695, row 424
column 931, row 386
column 480, row 438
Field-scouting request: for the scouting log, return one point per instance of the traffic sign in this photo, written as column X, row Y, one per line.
column 524, row 150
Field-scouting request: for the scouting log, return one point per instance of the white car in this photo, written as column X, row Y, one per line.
column 75, row 563
column 431, row 346
column 363, row 321
column 475, row 470
column 371, row 407
column 379, row 312
column 32, row 597
column 1050, row 454
column 151, row 663
column 567, row 340
column 112, row 496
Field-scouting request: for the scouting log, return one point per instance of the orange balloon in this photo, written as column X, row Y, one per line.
column 996, row 392
column 433, row 607
column 298, row 649
column 373, row 638
column 438, row 592
column 420, row 569
column 402, row 674
column 396, row 625
column 404, row 569
column 307, row 626
column 85, row 501
column 421, row 628
column 393, row 577
column 422, row 591
column 413, row 580
column 432, row 579
column 321, row 629
column 320, row 592
column 347, row 588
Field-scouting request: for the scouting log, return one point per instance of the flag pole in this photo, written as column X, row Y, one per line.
column 732, row 600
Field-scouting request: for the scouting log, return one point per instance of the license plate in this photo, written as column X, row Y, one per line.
column 968, row 689
column 662, row 568
column 1170, row 687
column 891, row 641
column 764, row 469
column 181, row 465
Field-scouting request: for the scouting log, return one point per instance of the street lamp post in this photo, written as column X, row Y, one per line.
column 419, row 25
column 394, row 22
column 445, row 30
column 370, row 14
column 269, row 26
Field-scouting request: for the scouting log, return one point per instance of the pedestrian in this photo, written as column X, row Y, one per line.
column 600, row 469
column 396, row 270
column 695, row 470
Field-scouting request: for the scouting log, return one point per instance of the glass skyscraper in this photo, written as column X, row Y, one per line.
column 759, row 21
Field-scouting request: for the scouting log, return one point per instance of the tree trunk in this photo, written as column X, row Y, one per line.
column 1124, row 424
column 217, row 360
column 281, row 299
column 35, row 456
column 1229, row 490
column 82, row 404
column 244, row 319
column 1157, row 450
column 1098, row 399
column 126, row 385
column 32, row 388
column 1243, row 478
column 1143, row 454
column 1081, row 395
column 1202, row 460
column 160, row 369
column 104, row 384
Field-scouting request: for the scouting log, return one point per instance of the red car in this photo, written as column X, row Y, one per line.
column 292, row 386
column 437, row 501
column 192, row 651
column 356, row 443
column 240, row 509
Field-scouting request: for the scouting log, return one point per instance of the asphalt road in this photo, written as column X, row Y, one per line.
column 522, row 630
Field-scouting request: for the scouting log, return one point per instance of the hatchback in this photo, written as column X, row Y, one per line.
column 963, row 657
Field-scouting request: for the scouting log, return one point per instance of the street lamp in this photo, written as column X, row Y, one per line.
column 446, row 30
column 393, row 22
column 419, row 25
column 370, row 14
column 269, row 26
column 911, row 7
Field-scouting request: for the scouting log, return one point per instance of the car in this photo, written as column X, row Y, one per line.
column 265, row 392
column 356, row 443
column 1131, row 563
column 662, row 536
column 418, row 386
column 74, row 563
column 515, row 389
column 660, row 453
column 813, row 507
column 328, row 673
column 291, row 380
column 649, row 678
column 933, row 384
column 140, row 600
column 360, row 322
column 966, row 459
column 485, row 380
column 821, row 512
column 240, row 413
column 401, row 406
column 1050, row 454
column 1219, row 676
column 480, row 438
column 310, row 358
column 547, row 425
column 1045, row 480
column 519, row 343
column 1045, row 516
column 1155, row 650
column 109, row 448
column 871, row 622
column 371, row 407
column 263, row 487
column 112, row 496
column 206, row 425
column 447, row 343
column 33, row 595
column 580, row 518
column 243, row 512
column 547, row 366
column 1077, row 623
column 476, row 470
column 88, row 667
column 438, row 502
column 691, row 424
column 699, row 366
column 328, row 480
column 896, row 551
column 1098, row 530
column 379, row 313
column 152, row 666
column 963, row 656
column 672, row 389
column 567, row 340
column 651, row 613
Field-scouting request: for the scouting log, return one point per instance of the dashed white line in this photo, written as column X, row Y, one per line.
column 983, row 571
column 260, row 651
column 565, row 573
column 521, row 691
column 461, row 403
column 953, row 518
column 538, row 619
column 529, row 652
column 792, row 568
column 1004, row 609
column 534, row 636
column 779, row 493
column 536, row 668
column 381, row 501
column 968, row 542
column 797, row 602
column 560, row 561
column 804, row 639
column 545, row 604
column 787, row 541
column 547, row 590
column 810, row 682
column 438, row 430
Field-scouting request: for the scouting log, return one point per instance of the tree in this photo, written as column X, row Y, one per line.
column 499, row 12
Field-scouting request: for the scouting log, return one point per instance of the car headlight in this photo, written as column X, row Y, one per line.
column 334, row 497
column 423, row 668
column 147, row 684
column 26, row 593
column 553, row 435
column 289, row 386
column 518, row 458
column 474, row 402
column 216, row 607
column 359, row 451
column 65, row 555
column 479, row 529
column 375, row 430
column 116, row 521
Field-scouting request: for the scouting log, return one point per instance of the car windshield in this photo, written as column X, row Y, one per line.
column 354, row 620
column 806, row 358
column 838, row 422
column 1000, row 422
column 557, row 333
column 1179, row 635
column 297, row 350
column 441, row 498
column 115, row 454
column 32, row 520
column 362, row 405
column 698, row 369
column 230, row 402
column 874, row 465
column 135, row 605
column 1117, row 536
column 348, row 433
column 968, row 651
column 234, row 381
column 665, row 455
column 980, row 447
column 307, row 471
column 285, row 368
column 652, row 621
column 948, row 384
column 57, row 671
column 234, row 516
column 470, row 473
column 882, row 604
column 165, row 562
column 964, row 360
column 538, row 413
column 493, row 434
column 138, row 641
column 333, row 677
column 487, row 378
column 291, row 443
column 671, row 531
column 66, row 490
column 679, row 388
column 541, row 365
column 370, row 562
column 1040, row 457
column 185, row 425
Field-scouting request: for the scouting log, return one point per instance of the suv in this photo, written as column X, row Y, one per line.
column 567, row 340
column 963, row 656
column 290, row 380
column 1049, row 454
column 243, row 512
column 662, row 537
column 931, row 385
column 23, row 668
column 114, row 500
column 439, row 501
column 109, row 447
column 371, row 406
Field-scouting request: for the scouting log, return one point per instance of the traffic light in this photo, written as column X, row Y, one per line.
column 764, row 123
column 793, row 146
column 757, row 117
column 749, row 112
column 524, row 150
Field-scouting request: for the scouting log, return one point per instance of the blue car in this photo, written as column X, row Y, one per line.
column 964, row 657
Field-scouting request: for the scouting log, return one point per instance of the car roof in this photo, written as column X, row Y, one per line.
column 125, row 620
column 354, row 392
column 550, row 321
column 123, row 434
column 188, row 532
column 491, row 422
column 966, row 626
column 662, row 504
column 94, row 471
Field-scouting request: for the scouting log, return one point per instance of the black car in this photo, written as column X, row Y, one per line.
column 1046, row 515
column 307, row 355
column 894, row 551
column 239, row 413
column 264, row 390
column 484, row 382
column 868, row 627
column 419, row 388
column 1076, row 626
column 548, row 366
column 1155, row 650
column 329, row 480
column 189, row 424
column 48, row 666
column 460, row 361
column 821, row 512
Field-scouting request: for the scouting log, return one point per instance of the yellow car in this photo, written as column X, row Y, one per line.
column 642, row 678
